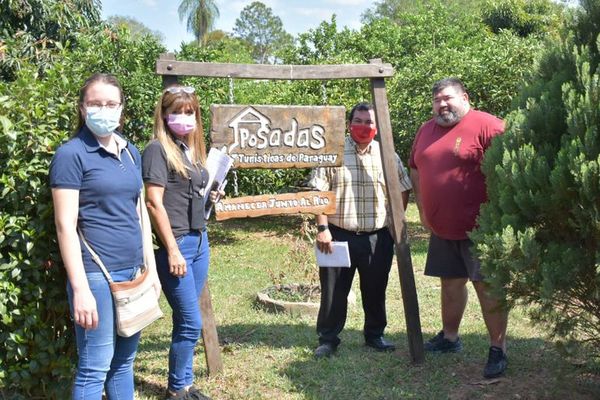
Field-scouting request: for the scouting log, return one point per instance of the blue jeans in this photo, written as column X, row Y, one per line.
column 183, row 293
column 105, row 359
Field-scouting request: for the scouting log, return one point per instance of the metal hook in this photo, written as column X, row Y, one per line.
column 231, row 99
column 324, row 92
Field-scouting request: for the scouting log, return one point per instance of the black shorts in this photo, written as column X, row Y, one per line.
column 452, row 259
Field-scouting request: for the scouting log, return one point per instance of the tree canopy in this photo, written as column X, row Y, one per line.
column 136, row 28
column 51, row 19
column 32, row 30
column 262, row 30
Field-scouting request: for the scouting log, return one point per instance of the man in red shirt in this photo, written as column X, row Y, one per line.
column 449, row 189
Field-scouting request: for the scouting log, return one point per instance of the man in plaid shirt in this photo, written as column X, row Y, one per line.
column 361, row 219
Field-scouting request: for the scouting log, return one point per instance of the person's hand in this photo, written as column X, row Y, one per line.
column 215, row 195
column 177, row 264
column 324, row 241
column 85, row 312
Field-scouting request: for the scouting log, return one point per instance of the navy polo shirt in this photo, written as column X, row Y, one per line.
column 108, row 193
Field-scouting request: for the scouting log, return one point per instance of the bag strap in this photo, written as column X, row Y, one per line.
column 144, row 221
column 95, row 256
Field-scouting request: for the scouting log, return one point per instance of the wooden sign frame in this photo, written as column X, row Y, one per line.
column 376, row 71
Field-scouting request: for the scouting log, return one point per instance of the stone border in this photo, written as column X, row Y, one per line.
column 292, row 307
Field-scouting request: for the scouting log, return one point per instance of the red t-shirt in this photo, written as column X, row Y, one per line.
column 451, row 185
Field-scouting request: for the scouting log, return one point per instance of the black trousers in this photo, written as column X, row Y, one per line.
column 370, row 254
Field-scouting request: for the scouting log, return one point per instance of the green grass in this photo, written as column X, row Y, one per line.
column 269, row 356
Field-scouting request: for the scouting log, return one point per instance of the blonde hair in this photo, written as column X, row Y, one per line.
column 168, row 103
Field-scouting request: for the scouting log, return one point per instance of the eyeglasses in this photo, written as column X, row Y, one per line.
column 179, row 89
column 97, row 106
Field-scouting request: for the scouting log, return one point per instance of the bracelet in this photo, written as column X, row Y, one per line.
column 322, row 228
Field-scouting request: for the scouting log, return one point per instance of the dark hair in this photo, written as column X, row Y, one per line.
column 362, row 106
column 108, row 79
column 448, row 82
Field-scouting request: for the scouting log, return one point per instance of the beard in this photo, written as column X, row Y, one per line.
column 449, row 117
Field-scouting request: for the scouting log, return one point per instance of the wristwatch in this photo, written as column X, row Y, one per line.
column 322, row 228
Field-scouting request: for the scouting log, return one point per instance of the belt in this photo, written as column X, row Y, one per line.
column 359, row 233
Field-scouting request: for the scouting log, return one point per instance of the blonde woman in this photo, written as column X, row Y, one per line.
column 175, row 178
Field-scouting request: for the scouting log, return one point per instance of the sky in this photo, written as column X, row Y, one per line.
column 298, row 16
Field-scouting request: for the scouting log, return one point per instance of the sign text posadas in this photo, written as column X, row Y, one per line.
column 280, row 136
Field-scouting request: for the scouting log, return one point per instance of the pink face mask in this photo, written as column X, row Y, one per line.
column 362, row 134
column 181, row 124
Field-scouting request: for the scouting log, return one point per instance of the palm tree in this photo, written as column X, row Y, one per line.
column 201, row 16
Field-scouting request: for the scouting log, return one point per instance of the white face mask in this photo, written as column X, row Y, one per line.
column 102, row 121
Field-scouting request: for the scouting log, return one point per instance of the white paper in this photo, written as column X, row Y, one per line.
column 218, row 164
column 339, row 257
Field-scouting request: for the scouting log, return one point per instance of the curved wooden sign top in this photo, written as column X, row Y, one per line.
column 280, row 136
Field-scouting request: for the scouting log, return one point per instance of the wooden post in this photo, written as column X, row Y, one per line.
column 210, row 338
column 212, row 351
column 168, row 80
column 405, row 268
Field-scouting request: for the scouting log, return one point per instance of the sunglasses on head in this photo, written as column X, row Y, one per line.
column 179, row 89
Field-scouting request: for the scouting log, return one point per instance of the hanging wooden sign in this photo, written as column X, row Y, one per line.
column 280, row 136
column 276, row 204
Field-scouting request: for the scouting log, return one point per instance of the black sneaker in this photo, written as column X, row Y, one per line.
column 195, row 394
column 439, row 344
column 189, row 393
column 178, row 394
column 496, row 363
column 325, row 350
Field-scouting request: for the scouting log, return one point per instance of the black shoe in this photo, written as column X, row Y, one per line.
column 439, row 344
column 496, row 363
column 179, row 394
column 191, row 393
column 325, row 350
column 195, row 394
column 380, row 344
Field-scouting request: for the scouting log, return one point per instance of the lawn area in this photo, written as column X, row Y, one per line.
column 269, row 356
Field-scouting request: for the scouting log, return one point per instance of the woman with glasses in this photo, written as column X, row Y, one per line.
column 175, row 178
column 96, row 182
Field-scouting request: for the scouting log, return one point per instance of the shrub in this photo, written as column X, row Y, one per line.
column 539, row 234
column 523, row 17
column 38, row 113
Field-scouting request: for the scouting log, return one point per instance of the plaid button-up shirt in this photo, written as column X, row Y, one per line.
column 359, row 187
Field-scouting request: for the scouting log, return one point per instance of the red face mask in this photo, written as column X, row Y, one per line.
column 362, row 134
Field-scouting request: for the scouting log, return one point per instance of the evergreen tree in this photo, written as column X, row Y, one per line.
column 263, row 31
column 539, row 234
